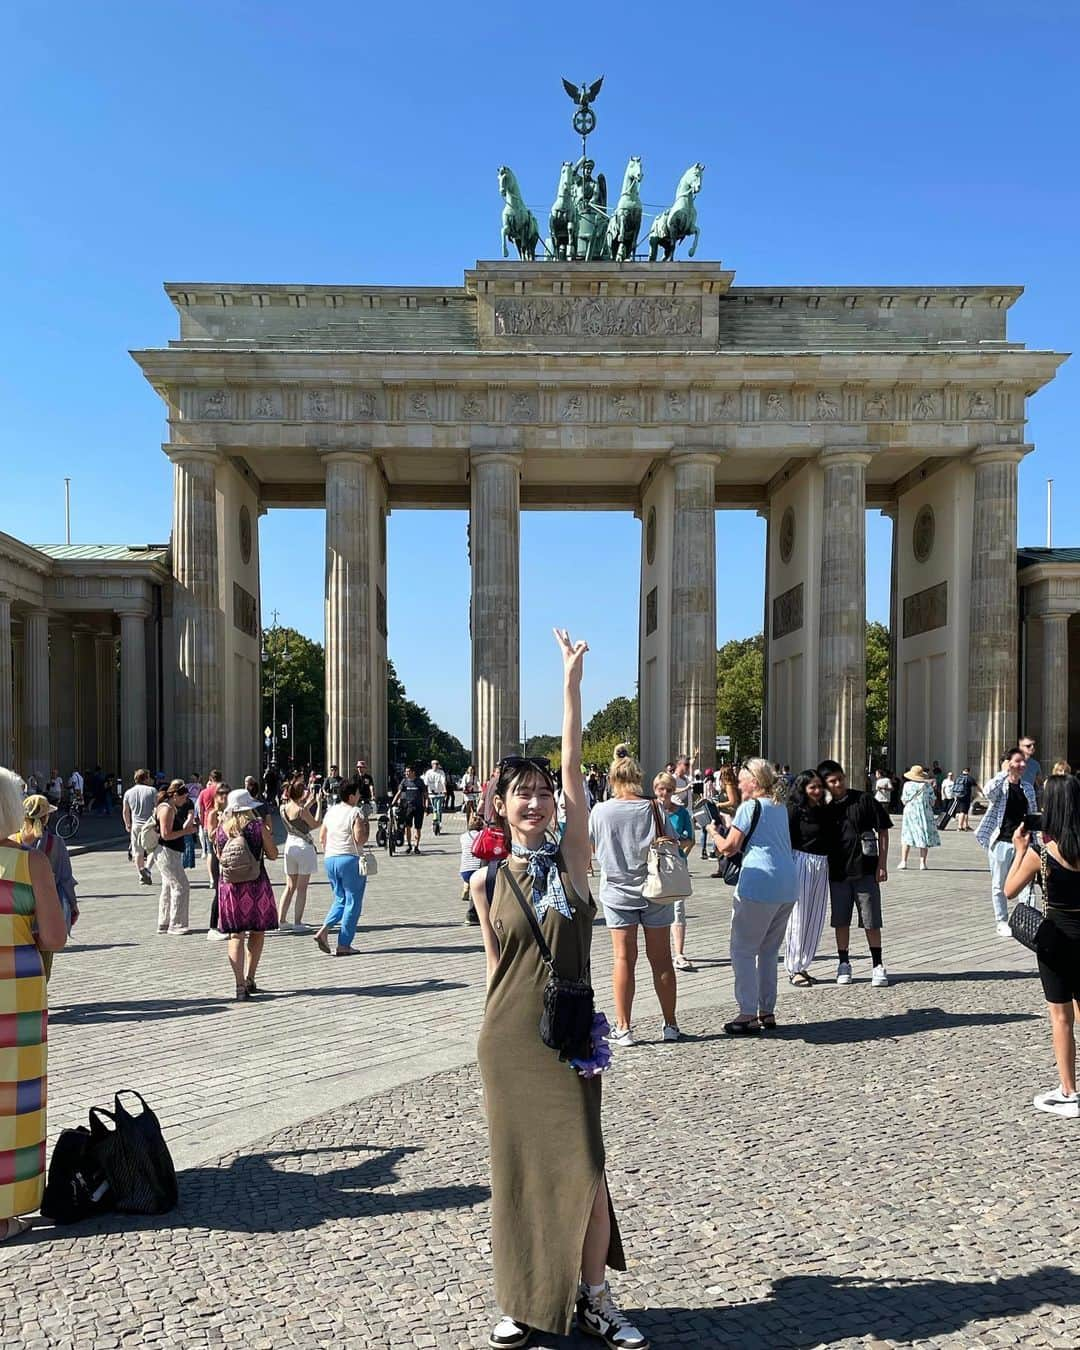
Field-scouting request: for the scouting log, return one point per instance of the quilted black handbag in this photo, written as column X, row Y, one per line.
column 1025, row 922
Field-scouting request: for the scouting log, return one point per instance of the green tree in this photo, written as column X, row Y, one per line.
column 544, row 747
column 614, row 724
column 300, row 669
column 877, row 687
column 414, row 738
column 740, row 689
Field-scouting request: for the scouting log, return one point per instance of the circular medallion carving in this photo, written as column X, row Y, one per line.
column 650, row 536
column 245, row 535
column 787, row 535
column 922, row 534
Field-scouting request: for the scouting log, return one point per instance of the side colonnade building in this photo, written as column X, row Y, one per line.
column 661, row 389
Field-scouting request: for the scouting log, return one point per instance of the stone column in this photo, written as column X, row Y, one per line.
column 1055, row 688
column 893, row 750
column 86, row 740
column 133, row 694
column 196, row 612
column 36, row 694
column 349, row 692
column 842, row 628
column 62, row 680
column 105, row 664
column 7, row 688
column 693, row 608
column 495, row 607
column 992, row 649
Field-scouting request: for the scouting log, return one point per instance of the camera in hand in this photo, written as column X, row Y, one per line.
column 1033, row 822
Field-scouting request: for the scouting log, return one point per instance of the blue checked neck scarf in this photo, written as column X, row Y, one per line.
column 548, row 890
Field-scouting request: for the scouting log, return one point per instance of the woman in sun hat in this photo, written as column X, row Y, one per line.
column 918, row 829
column 246, row 903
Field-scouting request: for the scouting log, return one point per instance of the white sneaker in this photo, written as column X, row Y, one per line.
column 620, row 1036
column 1058, row 1102
column 879, row 977
column 843, row 973
column 923, row 867
column 600, row 1317
column 901, row 867
column 1002, row 929
column 672, row 1032
column 212, row 935
column 177, row 931
column 509, row 1335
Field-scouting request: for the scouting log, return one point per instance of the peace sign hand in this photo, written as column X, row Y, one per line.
column 573, row 654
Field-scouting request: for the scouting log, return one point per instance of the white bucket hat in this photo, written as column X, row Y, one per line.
column 240, row 799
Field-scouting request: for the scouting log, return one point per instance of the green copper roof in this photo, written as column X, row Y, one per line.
column 104, row 552
column 1030, row 557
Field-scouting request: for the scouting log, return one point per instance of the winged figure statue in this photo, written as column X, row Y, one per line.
column 583, row 94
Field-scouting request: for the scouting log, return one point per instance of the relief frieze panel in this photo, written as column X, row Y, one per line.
column 597, row 316
column 926, row 610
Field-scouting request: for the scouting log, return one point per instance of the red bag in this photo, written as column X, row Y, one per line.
column 490, row 845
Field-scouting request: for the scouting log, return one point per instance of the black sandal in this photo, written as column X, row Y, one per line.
column 801, row 980
column 750, row 1028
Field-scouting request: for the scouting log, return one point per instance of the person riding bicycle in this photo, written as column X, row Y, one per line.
column 435, row 782
column 470, row 791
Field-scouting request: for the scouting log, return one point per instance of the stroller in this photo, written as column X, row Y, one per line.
column 389, row 832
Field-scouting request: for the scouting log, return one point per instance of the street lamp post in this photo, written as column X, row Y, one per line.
column 266, row 656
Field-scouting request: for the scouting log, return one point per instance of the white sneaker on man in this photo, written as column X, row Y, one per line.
column 1058, row 1102
column 1002, row 929
column 879, row 977
column 620, row 1036
column 178, row 931
column 843, row 973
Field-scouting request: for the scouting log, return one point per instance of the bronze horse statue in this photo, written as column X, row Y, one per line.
column 561, row 219
column 622, row 229
column 519, row 225
column 679, row 221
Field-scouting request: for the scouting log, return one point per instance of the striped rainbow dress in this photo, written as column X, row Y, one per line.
column 23, row 1020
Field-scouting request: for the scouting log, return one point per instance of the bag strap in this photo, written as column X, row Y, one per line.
column 753, row 826
column 530, row 914
column 661, row 833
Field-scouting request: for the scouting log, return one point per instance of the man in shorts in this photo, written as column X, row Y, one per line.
column 410, row 800
column 138, row 808
column 858, row 864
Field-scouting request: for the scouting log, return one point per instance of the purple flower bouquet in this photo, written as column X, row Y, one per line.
column 600, row 1059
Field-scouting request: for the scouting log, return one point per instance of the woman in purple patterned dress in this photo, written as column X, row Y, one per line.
column 246, row 903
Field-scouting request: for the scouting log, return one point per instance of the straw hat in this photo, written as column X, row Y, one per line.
column 37, row 807
column 917, row 774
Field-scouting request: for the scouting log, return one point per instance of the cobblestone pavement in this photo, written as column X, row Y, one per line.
column 871, row 1175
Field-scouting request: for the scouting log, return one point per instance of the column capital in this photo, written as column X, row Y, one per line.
column 193, row 454
column 845, row 454
column 710, row 457
column 352, row 455
column 1000, row 454
column 132, row 609
column 1052, row 616
column 514, row 457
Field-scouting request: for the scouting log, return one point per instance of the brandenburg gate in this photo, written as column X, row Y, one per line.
column 662, row 389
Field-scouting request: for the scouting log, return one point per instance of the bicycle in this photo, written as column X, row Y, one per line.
column 69, row 819
column 437, row 800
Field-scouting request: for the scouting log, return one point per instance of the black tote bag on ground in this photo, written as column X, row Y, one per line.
column 134, row 1157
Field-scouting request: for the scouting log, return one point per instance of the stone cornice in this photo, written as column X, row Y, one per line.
column 24, row 555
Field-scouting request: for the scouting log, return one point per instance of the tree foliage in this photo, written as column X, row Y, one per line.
column 414, row 738
column 877, row 687
column 616, row 723
column 740, row 689
column 300, row 669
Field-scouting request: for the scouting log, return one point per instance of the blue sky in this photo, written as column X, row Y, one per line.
column 328, row 142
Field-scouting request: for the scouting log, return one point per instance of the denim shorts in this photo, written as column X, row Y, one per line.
column 652, row 916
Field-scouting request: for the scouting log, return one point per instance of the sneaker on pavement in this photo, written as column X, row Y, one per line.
column 598, row 1316
column 178, row 931
column 620, row 1036
column 508, row 1334
column 843, row 972
column 1002, row 929
column 214, row 935
column 879, row 977
column 1059, row 1103
column 145, row 877
column 672, row 1032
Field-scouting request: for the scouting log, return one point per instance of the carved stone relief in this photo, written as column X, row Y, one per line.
column 877, row 405
column 922, row 533
column 365, row 404
column 651, row 612
column 624, row 406
column 925, row 406
column 979, row 406
column 216, row 404
column 776, row 407
column 676, row 404
column 418, row 405
column 596, row 316
column 318, row 404
column 926, row 610
column 723, row 408
column 787, row 534
column 574, row 408
column 265, row 406
column 826, row 407
column 787, row 612
column 471, row 406
column 523, row 408
column 245, row 611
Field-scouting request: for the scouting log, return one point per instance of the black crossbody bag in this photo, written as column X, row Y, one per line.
column 733, row 866
column 567, row 1019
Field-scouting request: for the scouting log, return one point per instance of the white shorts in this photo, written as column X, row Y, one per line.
column 300, row 856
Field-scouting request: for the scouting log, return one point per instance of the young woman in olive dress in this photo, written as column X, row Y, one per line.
column 554, row 1231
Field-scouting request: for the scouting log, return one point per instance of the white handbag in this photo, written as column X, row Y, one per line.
column 668, row 874
column 369, row 864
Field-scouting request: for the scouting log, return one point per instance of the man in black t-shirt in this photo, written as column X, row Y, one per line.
column 858, row 864
column 411, row 801
column 366, row 800
column 332, row 786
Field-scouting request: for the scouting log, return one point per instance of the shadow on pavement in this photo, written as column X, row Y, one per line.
column 811, row 1310
column 251, row 1195
column 973, row 976
column 848, row 1030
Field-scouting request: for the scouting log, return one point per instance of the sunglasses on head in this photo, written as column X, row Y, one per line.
column 524, row 762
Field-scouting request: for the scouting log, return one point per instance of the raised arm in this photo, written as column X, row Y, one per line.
column 576, row 849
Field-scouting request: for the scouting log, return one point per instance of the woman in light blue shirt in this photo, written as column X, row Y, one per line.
column 763, row 898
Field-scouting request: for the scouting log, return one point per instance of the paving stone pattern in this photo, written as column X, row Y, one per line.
column 871, row 1175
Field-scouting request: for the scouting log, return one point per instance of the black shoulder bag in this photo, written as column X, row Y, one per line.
column 733, row 866
column 567, row 1019
column 1026, row 922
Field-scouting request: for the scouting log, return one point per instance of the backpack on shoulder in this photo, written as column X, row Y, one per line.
column 237, row 861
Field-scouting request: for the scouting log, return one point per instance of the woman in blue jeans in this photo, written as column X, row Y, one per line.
column 342, row 837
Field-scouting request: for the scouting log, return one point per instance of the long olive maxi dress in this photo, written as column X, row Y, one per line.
column 547, row 1148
